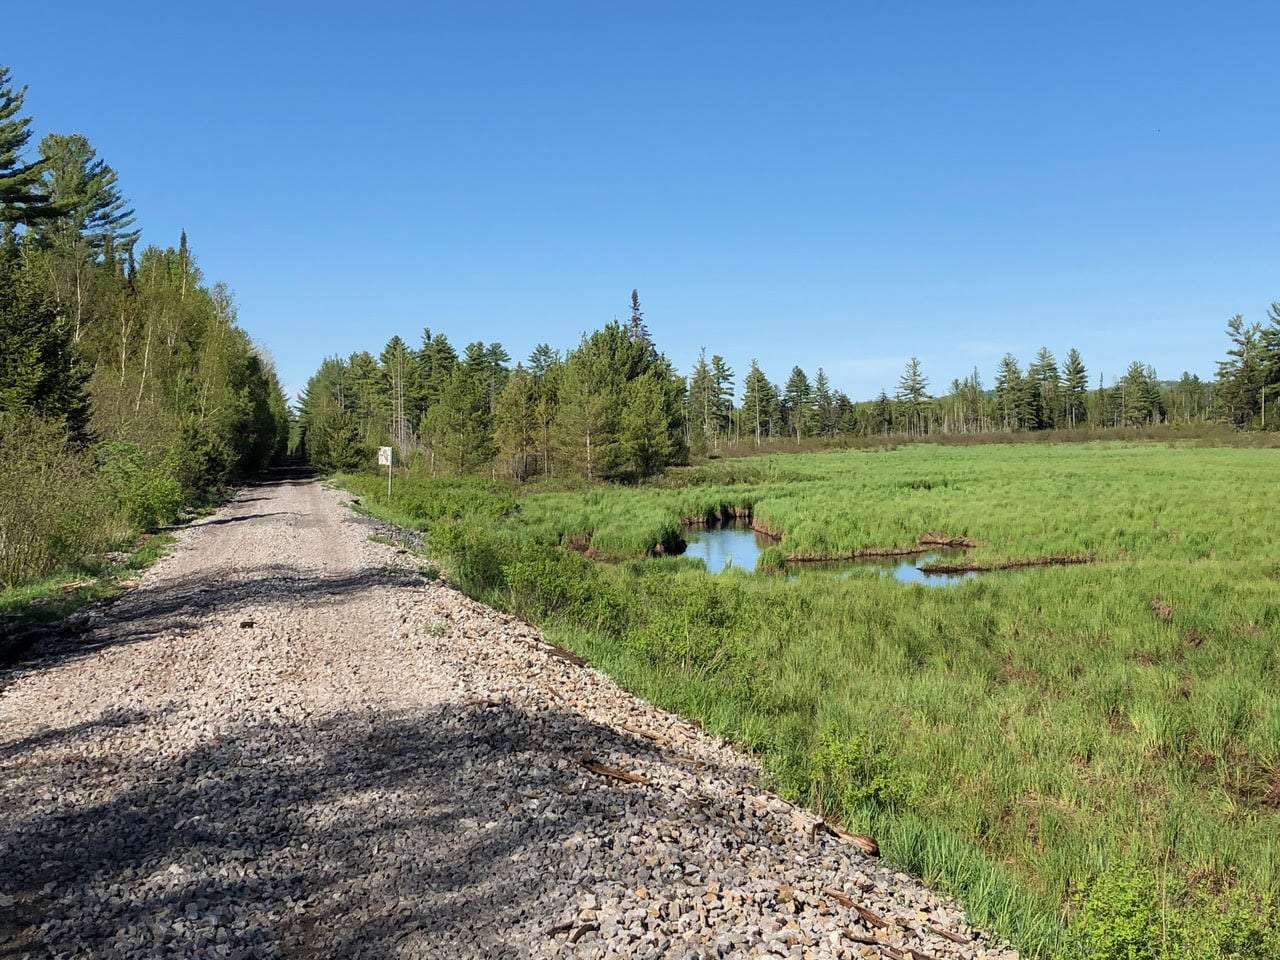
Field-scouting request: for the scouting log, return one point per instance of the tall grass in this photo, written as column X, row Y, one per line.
column 1088, row 756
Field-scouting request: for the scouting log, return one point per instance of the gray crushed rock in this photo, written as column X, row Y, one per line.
column 285, row 742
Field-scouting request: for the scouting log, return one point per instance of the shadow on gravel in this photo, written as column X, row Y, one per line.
column 434, row 833
column 182, row 603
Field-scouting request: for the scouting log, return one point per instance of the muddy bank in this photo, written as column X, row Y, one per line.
column 1059, row 560
column 924, row 543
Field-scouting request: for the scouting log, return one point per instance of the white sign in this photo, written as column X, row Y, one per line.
column 384, row 456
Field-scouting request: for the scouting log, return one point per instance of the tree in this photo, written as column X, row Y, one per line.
column 824, row 413
column 38, row 371
column 458, row 428
column 22, row 199
column 645, row 434
column 1075, row 388
column 586, row 415
column 1045, row 386
column 636, row 327
column 1010, row 393
column 722, row 378
column 516, row 424
column 544, row 367
column 797, row 403
column 86, row 193
column 1241, row 376
column 883, row 415
column 757, row 399
column 913, row 394
column 399, row 391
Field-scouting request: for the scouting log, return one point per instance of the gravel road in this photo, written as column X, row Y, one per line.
column 285, row 742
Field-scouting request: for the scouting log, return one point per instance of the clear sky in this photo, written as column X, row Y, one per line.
column 837, row 184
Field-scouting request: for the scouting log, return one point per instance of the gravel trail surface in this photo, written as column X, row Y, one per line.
column 285, row 742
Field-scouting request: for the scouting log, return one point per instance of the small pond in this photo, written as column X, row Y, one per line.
column 735, row 544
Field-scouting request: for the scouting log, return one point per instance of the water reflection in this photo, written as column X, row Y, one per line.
column 735, row 544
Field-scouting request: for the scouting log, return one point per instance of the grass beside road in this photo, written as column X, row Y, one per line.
column 1088, row 756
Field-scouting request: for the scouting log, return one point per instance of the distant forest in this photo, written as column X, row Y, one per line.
column 127, row 390
column 614, row 407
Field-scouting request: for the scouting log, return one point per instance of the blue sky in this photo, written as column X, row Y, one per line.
column 840, row 185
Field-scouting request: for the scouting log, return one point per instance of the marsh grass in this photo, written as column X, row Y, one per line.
column 1024, row 738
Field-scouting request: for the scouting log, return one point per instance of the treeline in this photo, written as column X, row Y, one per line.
column 127, row 391
column 614, row 407
column 611, row 408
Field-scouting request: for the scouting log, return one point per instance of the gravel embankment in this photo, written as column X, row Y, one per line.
column 286, row 743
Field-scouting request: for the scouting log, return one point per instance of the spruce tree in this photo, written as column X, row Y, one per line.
column 636, row 327
column 912, row 394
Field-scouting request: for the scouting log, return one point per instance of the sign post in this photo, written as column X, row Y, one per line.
column 384, row 457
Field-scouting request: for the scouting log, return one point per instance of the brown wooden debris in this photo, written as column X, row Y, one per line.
column 839, row 896
column 870, row 917
column 560, row 928
column 866, row 844
column 640, row 732
column 861, row 938
column 949, row 935
column 582, row 931
column 613, row 773
column 562, row 654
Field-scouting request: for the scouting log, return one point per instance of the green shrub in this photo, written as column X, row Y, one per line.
column 147, row 494
column 851, row 773
column 54, row 511
column 473, row 555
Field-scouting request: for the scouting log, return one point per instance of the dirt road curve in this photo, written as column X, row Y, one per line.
column 287, row 743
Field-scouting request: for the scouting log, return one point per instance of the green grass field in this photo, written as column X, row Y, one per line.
column 1089, row 756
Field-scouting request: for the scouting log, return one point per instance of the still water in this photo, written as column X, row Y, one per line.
column 737, row 545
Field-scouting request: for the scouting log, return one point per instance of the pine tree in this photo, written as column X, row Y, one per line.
column 22, row 199
column 1046, row 386
column 824, row 413
column 544, row 366
column 458, row 428
column 797, row 403
column 645, row 437
column 1010, row 393
column 516, row 427
column 756, row 402
column 1241, row 376
column 1075, row 388
column 701, row 405
column 86, row 192
column 722, row 377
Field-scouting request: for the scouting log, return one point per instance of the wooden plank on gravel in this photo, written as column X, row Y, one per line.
column 867, row 845
column 560, row 653
column 613, row 773
column 640, row 732
column 949, row 935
